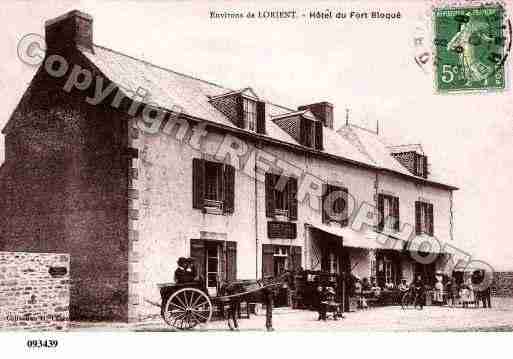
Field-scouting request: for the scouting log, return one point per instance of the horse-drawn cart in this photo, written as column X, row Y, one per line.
column 186, row 305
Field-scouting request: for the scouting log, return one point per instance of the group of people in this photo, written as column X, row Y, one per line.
column 446, row 290
column 186, row 271
column 466, row 293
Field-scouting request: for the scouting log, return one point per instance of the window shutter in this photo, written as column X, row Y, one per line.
column 229, row 188
column 345, row 211
column 418, row 230
column 381, row 209
column 292, row 198
column 198, row 183
column 325, row 193
column 295, row 258
column 222, row 274
column 231, row 261
column 261, row 117
column 239, row 106
column 430, row 219
column 267, row 260
column 303, row 131
column 318, row 135
column 397, row 224
column 198, row 254
column 424, row 167
column 269, row 194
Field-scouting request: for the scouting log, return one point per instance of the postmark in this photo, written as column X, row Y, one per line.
column 471, row 48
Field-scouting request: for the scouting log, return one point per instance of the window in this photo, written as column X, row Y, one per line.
column 334, row 204
column 213, row 186
column 424, row 218
column 420, row 165
column 281, row 259
column 281, row 196
column 249, row 114
column 388, row 207
column 311, row 133
column 277, row 259
column 213, row 181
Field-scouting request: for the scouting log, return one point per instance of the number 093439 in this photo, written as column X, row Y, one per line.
column 42, row 343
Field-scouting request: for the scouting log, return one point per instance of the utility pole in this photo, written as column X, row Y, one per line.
column 347, row 116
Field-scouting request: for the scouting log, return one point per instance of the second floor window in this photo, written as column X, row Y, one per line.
column 424, row 218
column 249, row 114
column 213, row 186
column 280, row 196
column 213, row 181
column 388, row 207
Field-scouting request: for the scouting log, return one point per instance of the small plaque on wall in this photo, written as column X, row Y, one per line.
column 277, row 229
column 58, row 271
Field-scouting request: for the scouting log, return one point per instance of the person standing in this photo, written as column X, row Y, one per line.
column 486, row 296
column 419, row 290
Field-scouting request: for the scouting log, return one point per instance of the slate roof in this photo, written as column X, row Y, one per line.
column 169, row 89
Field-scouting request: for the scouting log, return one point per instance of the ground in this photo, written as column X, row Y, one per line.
column 391, row 318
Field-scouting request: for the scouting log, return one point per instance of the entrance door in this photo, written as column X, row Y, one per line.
column 212, row 267
column 276, row 260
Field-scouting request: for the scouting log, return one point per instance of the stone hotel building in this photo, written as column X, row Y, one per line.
column 221, row 175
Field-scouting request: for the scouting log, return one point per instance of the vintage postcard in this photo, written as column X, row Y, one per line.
column 255, row 167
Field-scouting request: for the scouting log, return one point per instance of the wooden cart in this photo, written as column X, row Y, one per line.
column 187, row 305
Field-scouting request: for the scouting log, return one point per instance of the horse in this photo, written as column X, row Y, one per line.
column 255, row 291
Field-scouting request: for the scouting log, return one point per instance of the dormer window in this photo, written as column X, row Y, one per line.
column 412, row 157
column 420, row 165
column 243, row 108
column 311, row 133
column 249, row 114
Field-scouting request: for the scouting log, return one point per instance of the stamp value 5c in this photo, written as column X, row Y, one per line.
column 471, row 48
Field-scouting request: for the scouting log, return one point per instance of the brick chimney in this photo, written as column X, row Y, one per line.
column 322, row 110
column 74, row 28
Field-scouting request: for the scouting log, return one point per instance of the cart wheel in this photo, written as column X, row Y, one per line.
column 187, row 308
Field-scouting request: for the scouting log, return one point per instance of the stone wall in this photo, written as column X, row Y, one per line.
column 503, row 284
column 34, row 291
column 64, row 186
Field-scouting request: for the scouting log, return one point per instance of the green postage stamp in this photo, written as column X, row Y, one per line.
column 472, row 44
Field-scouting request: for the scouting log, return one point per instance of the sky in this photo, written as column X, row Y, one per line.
column 366, row 66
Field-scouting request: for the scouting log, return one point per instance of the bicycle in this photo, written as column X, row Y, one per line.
column 413, row 297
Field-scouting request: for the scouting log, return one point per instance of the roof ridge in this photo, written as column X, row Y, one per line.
column 362, row 128
column 359, row 146
column 163, row 68
column 188, row 76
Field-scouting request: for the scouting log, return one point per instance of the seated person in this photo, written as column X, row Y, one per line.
column 181, row 273
column 358, row 287
column 365, row 284
column 375, row 288
column 191, row 268
column 389, row 284
column 327, row 303
column 403, row 287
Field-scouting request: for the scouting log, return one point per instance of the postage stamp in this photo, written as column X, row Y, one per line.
column 472, row 44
